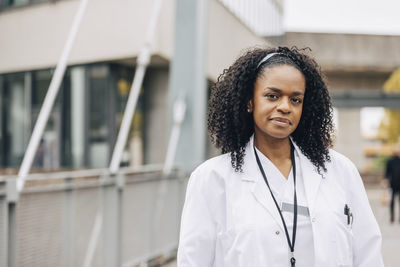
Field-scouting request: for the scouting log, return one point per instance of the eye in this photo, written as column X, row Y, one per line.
column 272, row 96
column 297, row 100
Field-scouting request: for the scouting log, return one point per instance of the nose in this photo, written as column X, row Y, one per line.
column 284, row 105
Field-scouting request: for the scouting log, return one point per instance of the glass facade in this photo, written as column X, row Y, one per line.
column 15, row 120
column 48, row 154
column 99, row 119
column 84, row 122
column 5, row 4
column 13, row 3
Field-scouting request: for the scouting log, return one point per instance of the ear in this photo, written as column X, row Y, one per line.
column 250, row 106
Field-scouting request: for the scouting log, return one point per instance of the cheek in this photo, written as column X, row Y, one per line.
column 262, row 105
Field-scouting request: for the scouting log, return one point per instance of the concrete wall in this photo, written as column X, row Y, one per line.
column 351, row 52
column 227, row 38
column 33, row 37
column 351, row 61
column 349, row 140
column 348, row 80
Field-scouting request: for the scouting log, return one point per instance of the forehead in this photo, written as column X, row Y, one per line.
column 277, row 67
column 282, row 74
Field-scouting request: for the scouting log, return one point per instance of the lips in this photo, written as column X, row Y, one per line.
column 281, row 121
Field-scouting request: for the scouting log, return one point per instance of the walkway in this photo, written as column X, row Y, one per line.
column 390, row 232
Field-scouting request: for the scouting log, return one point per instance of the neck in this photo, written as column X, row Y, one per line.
column 274, row 149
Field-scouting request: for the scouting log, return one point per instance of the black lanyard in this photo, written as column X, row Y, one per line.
column 290, row 243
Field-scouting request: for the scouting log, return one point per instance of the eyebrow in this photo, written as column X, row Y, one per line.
column 296, row 93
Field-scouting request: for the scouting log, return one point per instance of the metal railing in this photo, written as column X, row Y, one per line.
column 56, row 214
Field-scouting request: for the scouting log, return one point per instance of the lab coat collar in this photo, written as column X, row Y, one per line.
column 250, row 167
column 260, row 191
column 251, row 173
column 311, row 178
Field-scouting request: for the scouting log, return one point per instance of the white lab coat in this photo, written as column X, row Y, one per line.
column 230, row 220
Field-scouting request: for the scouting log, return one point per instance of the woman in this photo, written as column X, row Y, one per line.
column 278, row 196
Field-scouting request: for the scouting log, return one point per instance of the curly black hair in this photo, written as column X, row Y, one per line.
column 231, row 126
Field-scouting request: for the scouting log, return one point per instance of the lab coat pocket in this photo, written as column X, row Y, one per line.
column 344, row 245
column 342, row 232
column 239, row 247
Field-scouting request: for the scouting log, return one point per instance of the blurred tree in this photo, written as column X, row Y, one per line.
column 389, row 129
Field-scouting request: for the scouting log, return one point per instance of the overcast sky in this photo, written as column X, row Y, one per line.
column 343, row 16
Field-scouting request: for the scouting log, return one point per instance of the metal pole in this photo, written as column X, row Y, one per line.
column 68, row 224
column 12, row 234
column 142, row 62
column 111, row 222
column 49, row 99
column 12, row 198
column 188, row 75
column 3, row 225
column 178, row 116
column 94, row 237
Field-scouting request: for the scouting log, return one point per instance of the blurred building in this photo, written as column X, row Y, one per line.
column 84, row 123
column 356, row 67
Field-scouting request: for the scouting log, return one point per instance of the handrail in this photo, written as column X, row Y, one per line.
column 97, row 183
column 169, row 251
column 87, row 173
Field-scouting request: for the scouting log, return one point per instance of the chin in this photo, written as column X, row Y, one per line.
column 276, row 135
column 279, row 134
column 280, row 137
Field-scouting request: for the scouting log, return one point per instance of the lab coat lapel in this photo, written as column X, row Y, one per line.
column 311, row 179
column 251, row 173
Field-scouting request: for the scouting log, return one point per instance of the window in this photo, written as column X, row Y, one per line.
column 48, row 153
column 99, row 116
column 13, row 3
column 15, row 119
column 84, row 121
column 6, row 4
